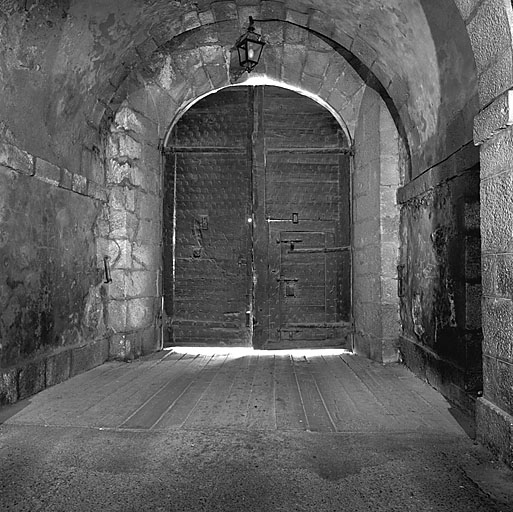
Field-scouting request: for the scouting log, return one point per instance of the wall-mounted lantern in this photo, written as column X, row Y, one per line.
column 250, row 46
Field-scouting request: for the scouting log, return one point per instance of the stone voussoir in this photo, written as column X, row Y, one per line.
column 15, row 158
column 494, row 118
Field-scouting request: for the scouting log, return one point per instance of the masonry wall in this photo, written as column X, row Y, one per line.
column 59, row 316
column 52, row 316
column 441, row 278
column 376, row 176
column 495, row 408
column 489, row 24
column 130, row 232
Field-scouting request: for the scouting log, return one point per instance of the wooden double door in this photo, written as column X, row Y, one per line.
column 257, row 226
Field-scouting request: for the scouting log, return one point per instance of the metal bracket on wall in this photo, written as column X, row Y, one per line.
column 106, row 268
column 204, row 222
column 400, row 280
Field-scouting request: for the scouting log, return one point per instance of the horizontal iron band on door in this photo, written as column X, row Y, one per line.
column 314, row 250
column 206, row 149
column 322, row 325
column 330, row 151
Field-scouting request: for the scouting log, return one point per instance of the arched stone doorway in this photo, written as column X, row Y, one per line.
column 427, row 61
column 257, row 223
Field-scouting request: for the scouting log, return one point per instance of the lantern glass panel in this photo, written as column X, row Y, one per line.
column 249, row 49
column 254, row 50
column 241, row 48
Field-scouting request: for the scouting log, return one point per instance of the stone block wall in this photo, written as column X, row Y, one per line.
column 376, row 176
column 52, row 311
column 494, row 133
column 490, row 27
column 130, row 234
column 440, row 305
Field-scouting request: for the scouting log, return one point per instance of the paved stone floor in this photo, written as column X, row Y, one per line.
column 250, row 431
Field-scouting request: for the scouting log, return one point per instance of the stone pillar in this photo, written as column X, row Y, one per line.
column 494, row 133
column 376, row 232
column 131, row 235
column 390, row 180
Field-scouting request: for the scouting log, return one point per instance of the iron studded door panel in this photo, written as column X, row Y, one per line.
column 207, row 238
column 281, row 160
column 304, row 177
column 304, row 289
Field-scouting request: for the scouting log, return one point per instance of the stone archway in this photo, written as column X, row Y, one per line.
column 283, row 280
column 82, row 87
column 494, row 62
column 341, row 90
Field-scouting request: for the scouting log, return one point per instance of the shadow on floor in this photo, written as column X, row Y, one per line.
column 465, row 421
column 8, row 411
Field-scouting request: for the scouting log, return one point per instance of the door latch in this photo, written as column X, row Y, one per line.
column 290, row 289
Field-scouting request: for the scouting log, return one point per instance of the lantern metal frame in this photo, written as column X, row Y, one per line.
column 249, row 47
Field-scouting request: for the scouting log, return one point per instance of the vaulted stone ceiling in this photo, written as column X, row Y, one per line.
column 58, row 58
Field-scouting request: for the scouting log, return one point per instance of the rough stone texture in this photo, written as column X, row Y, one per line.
column 376, row 232
column 497, row 78
column 489, row 34
column 68, row 68
column 9, row 386
column 430, row 64
column 441, row 284
column 496, row 154
column 16, row 159
column 58, row 368
column 504, row 276
column 495, row 429
column 88, row 356
column 494, row 118
column 497, row 213
column 48, row 291
column 130, row 229
column 141, row 312
column 490, row 31
column 498, row 382
column 467, row 7
column 440, row 373
column 44, row 371
column 151, row 339
column 367, row 257
column 47, row 172
column 48, row 255
column 32, row 378
column 458, row 165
